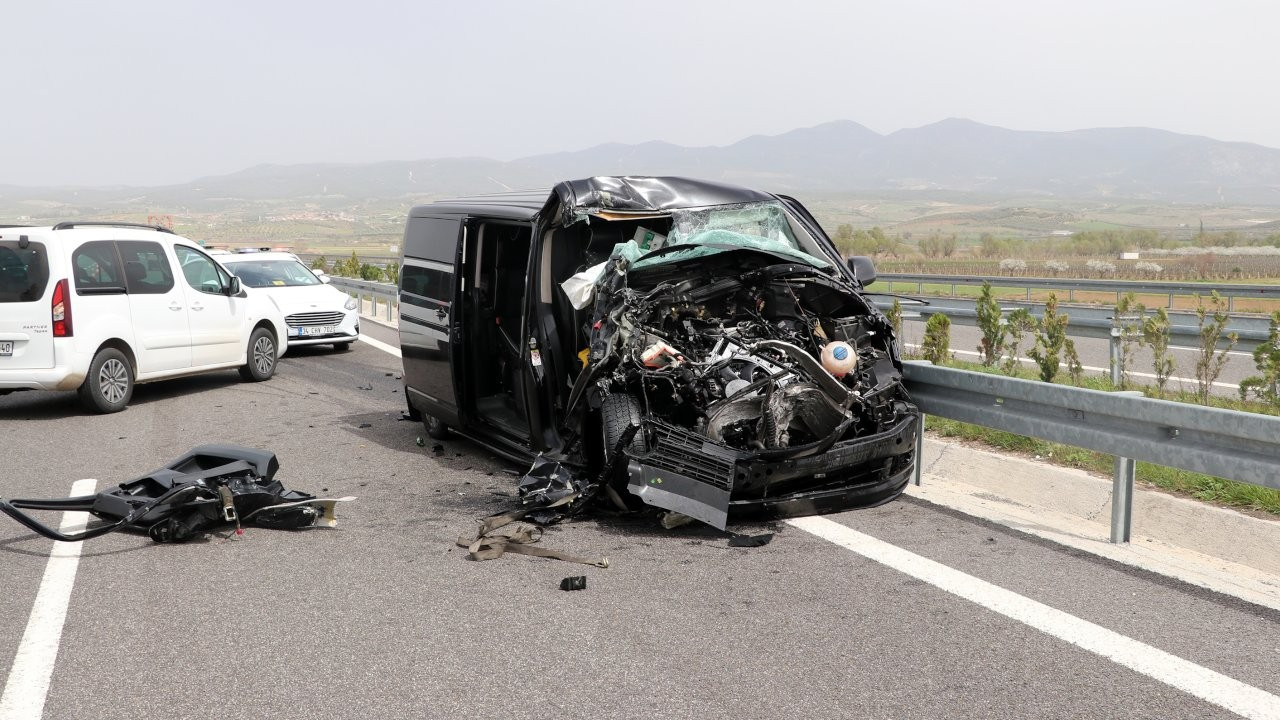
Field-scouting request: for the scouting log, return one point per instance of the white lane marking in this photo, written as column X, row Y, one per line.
column 381, row 345
column 1196, row 350
column 1092, row 368
column 1216, row 688
column 28, row 683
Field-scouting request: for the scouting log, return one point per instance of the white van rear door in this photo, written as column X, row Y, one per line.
column 26, row 324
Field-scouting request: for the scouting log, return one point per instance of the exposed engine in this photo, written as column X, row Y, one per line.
column 779, row 356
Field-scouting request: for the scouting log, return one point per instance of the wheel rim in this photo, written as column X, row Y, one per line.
column 113, row 380
column 264, row 355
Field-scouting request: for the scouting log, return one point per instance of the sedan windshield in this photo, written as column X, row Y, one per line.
column 272, row 273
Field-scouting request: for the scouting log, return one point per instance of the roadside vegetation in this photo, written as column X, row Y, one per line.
column 1055, row 361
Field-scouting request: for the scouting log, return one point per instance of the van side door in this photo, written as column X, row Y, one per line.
column 157, row 307
column 218, row 332
column 428, row 289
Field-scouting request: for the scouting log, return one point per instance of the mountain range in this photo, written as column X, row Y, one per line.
column 837, row 157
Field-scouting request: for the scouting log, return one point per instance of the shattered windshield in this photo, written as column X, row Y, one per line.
column 761, row 226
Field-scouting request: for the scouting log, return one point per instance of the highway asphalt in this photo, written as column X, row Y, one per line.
column 383, row 616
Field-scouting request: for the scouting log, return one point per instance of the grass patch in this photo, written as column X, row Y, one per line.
column 1207, row 488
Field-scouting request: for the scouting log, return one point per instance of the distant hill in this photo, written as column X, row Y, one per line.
column 842, row 156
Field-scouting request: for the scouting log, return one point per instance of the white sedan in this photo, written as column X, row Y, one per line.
column 316, row 313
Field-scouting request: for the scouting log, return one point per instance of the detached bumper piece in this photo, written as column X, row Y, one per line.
column 210, row 487
column 692, row 475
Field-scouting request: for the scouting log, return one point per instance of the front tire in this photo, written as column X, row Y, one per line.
column 261, row 356
column 109, row 385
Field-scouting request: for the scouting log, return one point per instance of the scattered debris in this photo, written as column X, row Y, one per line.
column 362, row 426
column 745, row 541
column 494, row 539
column 365, row 387
column 419, row 441
column 210, row 487
column 438, row 449
column 577, row 582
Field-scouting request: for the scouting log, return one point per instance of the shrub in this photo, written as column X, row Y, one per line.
column 1155, row 335
column 1020, row 322
column 936, row 345
column 1056, row 266
column 991, row 346
column 1128, row 317
column 894, row 315
column 1051, row 338
column 1267, row 359
column 1209, row 362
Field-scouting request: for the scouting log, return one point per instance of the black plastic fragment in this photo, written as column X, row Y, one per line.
column 577, row 582
column 736, row 540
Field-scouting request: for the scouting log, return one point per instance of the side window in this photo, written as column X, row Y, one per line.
column 418, row 283
column 201, row 272
column 146, row 269
column 432, row 238
column 96, row 268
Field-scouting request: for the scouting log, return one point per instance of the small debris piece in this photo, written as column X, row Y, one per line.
column 438, row 449
column 364, row 387
column 577, row 582
column 672, row 520
column 736, row 540
column 419, row 441
column 362, row 426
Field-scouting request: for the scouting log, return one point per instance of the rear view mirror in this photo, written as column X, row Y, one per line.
column 864, row 268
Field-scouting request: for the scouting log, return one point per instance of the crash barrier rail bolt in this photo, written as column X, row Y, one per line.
column 1223, row 443
column 386, row 292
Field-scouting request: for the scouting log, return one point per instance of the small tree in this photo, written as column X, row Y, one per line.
column 1213, row 323
column 1267, row 358
column 392, row 271
column 1019, row 323
column 1075, row 370
column 894, row 316
column 373, row 273
column 936, row 345
column 1128, row 317
column 991, row 346
column 1051, row 338
column 1155, row 335
column 320, row 264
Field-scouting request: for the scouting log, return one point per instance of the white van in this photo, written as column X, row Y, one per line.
column 97, row 307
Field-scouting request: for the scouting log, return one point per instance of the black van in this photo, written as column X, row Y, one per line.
column 695, row 346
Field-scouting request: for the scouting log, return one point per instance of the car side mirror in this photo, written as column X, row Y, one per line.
column 864, row 268
column 322, row 277
column 234, row 288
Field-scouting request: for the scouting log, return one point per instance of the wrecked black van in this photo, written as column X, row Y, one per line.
column 693, row 346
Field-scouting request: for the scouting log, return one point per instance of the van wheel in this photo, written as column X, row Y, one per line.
column 109, row 386
column 435, row 427
column 618, row 413
column 261, row 356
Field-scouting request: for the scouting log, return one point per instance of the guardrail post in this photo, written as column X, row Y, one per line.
column 919, row 470
column 1071, row 294
column 1117, row 376
column 1122, row 493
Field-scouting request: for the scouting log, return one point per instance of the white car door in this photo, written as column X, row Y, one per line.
column 217, row 319
column 157, row 305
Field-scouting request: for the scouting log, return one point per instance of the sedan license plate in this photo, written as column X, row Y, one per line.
column 6, row 348
column 318, row 330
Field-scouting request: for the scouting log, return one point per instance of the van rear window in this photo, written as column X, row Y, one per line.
column 24, row 271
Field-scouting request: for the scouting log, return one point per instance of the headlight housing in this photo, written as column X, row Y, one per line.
column 352, row 303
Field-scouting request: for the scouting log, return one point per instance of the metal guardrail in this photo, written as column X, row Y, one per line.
column 1224, row 443
column 1071, row 285
column 375, row 291
column 962, row 311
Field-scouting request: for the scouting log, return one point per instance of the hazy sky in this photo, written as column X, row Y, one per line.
column 133, row 92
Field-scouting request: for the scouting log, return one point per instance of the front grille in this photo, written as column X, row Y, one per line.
column 693, row 456
column 313, row 318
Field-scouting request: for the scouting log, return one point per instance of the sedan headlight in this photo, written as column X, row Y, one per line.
column 352, row 303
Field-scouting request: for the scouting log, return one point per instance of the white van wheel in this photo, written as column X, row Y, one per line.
column 109, row 384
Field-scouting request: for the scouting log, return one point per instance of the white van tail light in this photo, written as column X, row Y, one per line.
column 62, row 309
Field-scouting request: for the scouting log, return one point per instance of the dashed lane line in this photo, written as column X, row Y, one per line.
column 1208, row 685
column 28, row 682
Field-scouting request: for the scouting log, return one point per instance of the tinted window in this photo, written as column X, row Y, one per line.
column 24, row 272
column 96, row 268
column 432, row 239
column 425, row 283
column 202, row 273
column 146, row 269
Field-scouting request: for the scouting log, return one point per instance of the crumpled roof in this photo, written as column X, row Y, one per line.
column 644, row 194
